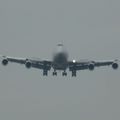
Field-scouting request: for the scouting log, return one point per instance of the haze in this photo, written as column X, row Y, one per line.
column 89, row 29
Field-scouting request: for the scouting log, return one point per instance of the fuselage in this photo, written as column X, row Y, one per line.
column 60, row 58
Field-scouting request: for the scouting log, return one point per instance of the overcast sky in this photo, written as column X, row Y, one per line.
column 89, row 29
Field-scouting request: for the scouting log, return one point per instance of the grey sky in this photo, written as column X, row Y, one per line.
column 32, row 28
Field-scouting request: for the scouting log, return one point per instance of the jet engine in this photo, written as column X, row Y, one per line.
column 115, row 65
column 91, row 66
column 4, row 61
column 28, row 64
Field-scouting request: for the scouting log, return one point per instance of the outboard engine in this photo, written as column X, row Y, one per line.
column 115, row 65
column 4, row 62
column 91, row 66
column 28, row 64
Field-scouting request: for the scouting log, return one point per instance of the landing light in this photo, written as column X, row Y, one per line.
column 74, row 61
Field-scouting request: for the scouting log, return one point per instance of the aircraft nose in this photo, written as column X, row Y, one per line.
column 60, row 48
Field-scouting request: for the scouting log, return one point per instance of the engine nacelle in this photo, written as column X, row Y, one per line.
column 91, row 66
column 28, row 64
column 4, row 62
column 115, row 65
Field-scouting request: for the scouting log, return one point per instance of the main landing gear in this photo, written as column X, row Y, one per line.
column 64, row 73
column 45, row 72
column 54, row 73
column 74, row 73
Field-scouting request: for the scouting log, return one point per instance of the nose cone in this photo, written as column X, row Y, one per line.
column 60, row 48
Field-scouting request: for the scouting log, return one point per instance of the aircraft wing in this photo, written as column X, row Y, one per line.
column 46, row 65
column 74, row 66
column 39, row 64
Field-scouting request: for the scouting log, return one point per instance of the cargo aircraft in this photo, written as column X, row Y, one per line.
column 60, row 62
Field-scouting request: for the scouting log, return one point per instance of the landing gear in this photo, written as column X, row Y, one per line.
column 54, row 73
column 64, row 73
column 74, row 73
column 45, row 73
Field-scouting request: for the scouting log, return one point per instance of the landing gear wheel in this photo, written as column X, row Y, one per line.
column 73, row 73
column 54, row 73
column 45, row 73
column 64, row 74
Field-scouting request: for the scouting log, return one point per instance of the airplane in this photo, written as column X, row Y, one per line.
column 60, row 62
